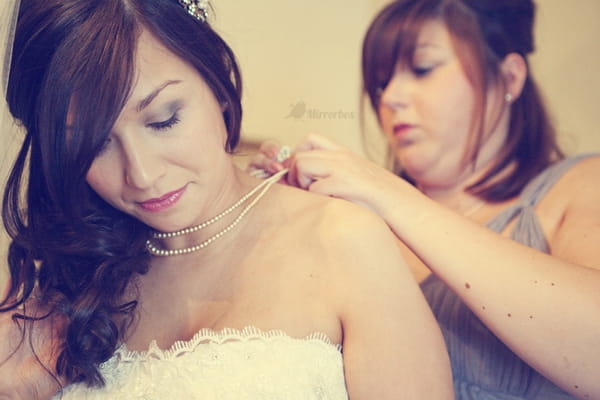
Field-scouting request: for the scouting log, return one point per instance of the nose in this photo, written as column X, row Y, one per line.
column 395, row 94
column 143, row 164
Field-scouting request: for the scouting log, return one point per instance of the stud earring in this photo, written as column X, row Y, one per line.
column 508, row 97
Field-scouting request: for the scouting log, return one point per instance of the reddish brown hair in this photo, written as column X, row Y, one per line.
column 483, row 33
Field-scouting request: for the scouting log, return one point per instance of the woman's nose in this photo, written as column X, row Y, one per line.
column 143, row 164
column 395, row 94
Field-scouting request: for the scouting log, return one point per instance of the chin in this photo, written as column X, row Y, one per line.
column 414, row 165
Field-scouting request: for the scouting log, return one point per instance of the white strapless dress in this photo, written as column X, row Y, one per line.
column 229, row 364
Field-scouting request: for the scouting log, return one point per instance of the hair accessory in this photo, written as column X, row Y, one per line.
column 508, row 97
column 263, row 187
column 196, row 8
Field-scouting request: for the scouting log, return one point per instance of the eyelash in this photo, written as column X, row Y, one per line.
column 162, row 125
column 421, row 71
column 159, row 126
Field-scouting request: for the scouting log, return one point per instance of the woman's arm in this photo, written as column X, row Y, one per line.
column 545, row 307
column 393, row 347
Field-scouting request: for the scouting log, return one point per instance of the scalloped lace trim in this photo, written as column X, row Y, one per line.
column 210, row 336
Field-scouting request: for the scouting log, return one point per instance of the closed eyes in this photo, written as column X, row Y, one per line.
column 166, row 124
column 157, row 126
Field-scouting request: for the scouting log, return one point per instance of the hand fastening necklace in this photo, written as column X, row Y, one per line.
column 262, row 187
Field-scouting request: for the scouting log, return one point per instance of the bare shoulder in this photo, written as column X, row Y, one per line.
column 385, row 321
column 574, row 191
column 337, row 223
column 333, row 216
column 347, row 238
column 577, row 230
column 580, row 185
column 26, row 354
column 583, row 174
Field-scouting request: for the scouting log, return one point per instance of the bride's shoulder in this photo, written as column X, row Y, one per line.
column 338, row 219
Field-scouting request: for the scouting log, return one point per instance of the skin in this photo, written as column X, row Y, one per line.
column 431, row 134
column 544, row 307
column 22, row 362
column 342, row 278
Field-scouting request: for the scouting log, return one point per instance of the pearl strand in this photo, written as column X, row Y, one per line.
column 165, row 235
column 264, row 185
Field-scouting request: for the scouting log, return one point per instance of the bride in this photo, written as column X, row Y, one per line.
column 144, row 264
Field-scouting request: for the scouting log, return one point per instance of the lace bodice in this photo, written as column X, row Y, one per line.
column 230, row 364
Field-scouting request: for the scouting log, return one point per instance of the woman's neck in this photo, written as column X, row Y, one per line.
column 457, row 196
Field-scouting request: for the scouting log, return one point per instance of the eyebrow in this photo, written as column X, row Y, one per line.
column 145, row 102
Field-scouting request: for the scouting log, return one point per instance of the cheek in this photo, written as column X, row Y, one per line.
column 385, row 118
column 450, row 96
column 454, row 112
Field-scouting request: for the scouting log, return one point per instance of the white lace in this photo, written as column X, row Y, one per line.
column 228, row 364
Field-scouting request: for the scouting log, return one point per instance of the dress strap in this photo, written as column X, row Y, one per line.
column 528, row 230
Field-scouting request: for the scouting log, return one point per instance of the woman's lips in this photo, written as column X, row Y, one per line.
column 164, row 202
column 401, row 130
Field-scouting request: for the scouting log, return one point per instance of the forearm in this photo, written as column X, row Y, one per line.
column 545, row 309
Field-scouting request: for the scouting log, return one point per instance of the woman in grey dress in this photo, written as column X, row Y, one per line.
column 478, row 163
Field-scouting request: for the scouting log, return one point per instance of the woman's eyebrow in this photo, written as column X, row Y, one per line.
column 145, row 102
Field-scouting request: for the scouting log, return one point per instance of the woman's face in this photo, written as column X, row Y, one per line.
column 426, row 111
column 164, row 162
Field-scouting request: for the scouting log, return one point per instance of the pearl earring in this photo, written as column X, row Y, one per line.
column 508, row 97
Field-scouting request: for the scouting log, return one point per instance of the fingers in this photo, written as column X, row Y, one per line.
column 315, row 141
column 311, row 160
column 269, row 160
column 272, row 158
column 262, row 167
column 269, row 148
column 307, row 167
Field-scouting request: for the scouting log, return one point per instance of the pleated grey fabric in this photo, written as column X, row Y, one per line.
column 483, row 367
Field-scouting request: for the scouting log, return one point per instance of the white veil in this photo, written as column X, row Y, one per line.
column 10, row 137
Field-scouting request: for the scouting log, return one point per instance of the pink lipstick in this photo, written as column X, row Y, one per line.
column 164, row 202
column 401, row 130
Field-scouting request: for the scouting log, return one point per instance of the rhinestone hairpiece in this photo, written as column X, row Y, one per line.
column 196, row 8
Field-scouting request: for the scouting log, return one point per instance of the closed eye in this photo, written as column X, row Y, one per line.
column 162, row 125
column 421, row 71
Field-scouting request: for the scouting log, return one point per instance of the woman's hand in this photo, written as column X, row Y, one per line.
column 270, row 159
column 321, row 166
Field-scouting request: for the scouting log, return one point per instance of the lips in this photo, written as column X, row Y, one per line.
column 401, row 130
column 164, row 202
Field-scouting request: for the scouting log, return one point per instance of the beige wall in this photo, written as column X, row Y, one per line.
column 300, row 61
column 567, row 67
column 307, row 52
column 294, row 52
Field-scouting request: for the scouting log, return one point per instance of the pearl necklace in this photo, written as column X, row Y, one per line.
column 263, row 187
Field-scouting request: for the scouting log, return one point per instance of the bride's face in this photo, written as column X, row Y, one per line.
column 165, row 156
